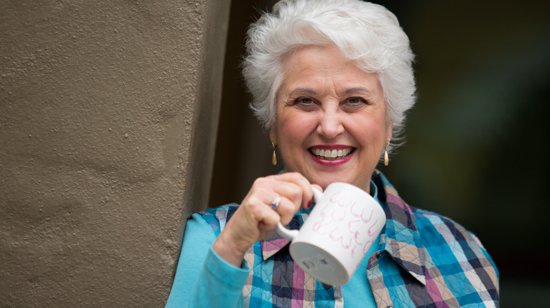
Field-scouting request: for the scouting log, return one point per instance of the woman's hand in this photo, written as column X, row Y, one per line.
column 255, row 219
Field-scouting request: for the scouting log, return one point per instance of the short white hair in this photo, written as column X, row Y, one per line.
column 364, row 32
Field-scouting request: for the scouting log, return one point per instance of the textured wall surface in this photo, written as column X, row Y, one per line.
column 106, row 108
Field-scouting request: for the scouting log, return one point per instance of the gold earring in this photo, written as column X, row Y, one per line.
column 386, row 157
column 274, row 156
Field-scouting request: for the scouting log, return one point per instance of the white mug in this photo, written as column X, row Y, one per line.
column 337, row 233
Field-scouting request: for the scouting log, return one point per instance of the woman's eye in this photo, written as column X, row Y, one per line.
column 356, row 101
column 304, row 101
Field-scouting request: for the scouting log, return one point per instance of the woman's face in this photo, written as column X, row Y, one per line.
column 328, row 107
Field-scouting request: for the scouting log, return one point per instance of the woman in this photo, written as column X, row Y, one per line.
column 331, row 80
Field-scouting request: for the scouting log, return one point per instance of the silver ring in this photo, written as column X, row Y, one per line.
column 275, row 203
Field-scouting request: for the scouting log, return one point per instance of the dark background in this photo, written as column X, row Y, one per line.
column 476, row 142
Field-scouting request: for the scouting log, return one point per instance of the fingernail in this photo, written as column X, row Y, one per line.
column 308, row 204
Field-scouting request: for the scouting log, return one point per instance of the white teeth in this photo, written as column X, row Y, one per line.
column 334, row 154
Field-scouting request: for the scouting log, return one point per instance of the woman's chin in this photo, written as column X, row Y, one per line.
column 325, row 181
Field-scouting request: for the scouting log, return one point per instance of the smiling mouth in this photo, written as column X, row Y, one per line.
column 331, row 154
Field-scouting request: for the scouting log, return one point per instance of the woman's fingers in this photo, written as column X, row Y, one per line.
column 285, row 211
column 294, row 191
column 252, row 221
column 256, row 215
column 270, row 200
column 305, row 194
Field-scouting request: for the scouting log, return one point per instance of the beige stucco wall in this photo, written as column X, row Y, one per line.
column 107, row 110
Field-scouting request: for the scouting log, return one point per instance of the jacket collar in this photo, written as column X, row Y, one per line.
column 400, row 237
column 275, row 242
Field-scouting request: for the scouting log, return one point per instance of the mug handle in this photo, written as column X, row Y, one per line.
column 292, row 234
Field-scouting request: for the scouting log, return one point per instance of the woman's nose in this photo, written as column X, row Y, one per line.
column 330, row 125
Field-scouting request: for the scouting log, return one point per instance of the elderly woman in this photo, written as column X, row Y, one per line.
column 331, row 80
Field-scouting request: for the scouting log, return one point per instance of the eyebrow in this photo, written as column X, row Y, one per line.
column 357, row 90
column 302, row 91
column 313, row 92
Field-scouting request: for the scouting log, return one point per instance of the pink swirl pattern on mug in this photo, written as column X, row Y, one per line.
column 371, row 233
column 361, row 213
column 341, row 201
column 333, row 213
column 351, row 229
column 321, row 226
column 360, row 221
column 338, row 235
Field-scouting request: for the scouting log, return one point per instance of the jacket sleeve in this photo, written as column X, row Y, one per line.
column 203, row 279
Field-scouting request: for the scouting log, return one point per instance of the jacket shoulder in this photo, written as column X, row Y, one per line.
column 218, row 217
column 427, row 221
column 443, row 236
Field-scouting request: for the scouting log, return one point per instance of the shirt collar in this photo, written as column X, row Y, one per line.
column 275, row 242
column 400, row 237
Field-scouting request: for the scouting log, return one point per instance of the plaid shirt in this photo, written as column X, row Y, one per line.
column 424, row 260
